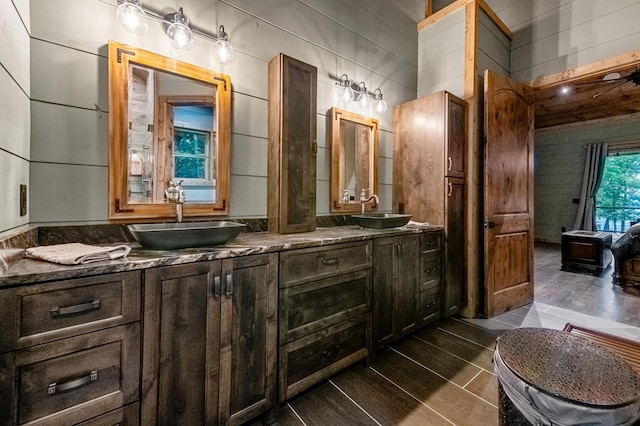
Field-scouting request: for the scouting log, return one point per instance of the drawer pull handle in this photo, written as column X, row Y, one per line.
column 329, row 262
column 449, row 163
column 73, row 384
column 216, row 286
column 229, row 284
column 75, row 309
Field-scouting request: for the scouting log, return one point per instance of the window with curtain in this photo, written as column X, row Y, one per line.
column 618, row 197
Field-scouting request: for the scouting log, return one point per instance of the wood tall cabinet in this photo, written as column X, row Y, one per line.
column 210, row 341
column 396, row 288
column 293, row 146
column 70, row 351
column 429, row 181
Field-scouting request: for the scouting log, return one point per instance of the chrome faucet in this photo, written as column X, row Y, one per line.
column 364, row 199
column 175, row 194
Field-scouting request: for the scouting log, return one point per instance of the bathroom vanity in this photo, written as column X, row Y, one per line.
column 216, row 335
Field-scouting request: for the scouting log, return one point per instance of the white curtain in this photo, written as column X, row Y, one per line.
column 593, row 167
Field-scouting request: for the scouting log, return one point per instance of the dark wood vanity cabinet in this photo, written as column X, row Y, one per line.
column 210, row 341
column 70, row 351
column 293, row 146
column 429, row 180
column 325, row 313
column 395, row 288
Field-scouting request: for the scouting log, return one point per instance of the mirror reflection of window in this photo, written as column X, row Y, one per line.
column 183, row 112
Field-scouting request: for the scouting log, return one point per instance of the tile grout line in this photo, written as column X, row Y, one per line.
column 296, row 414
column 354, row 402
column 464, row 338
column 410, row 394
column 442, row 377
column 471, row 380
column 452, row 354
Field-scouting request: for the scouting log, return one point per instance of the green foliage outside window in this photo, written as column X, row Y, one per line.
column 618, row 198
column 191, row 154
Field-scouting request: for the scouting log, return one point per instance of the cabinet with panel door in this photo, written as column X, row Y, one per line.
column 429, row 180
column 70, row 351
column 396, row 288
column 210, row 341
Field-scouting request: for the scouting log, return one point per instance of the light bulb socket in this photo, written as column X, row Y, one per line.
column 222, row 35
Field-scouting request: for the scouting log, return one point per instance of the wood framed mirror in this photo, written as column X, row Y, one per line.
column 168, row 121
column 354, row 159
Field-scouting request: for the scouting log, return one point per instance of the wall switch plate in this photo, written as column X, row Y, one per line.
column 23, row 200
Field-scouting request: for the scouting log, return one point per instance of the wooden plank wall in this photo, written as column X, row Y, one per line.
column 370, row 40
column 14, row 112
column 560, row 156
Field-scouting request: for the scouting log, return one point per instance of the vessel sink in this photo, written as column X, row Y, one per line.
column 168, row 236
column 381, row 220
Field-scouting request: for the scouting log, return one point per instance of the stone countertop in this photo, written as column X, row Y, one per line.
column 29, row 271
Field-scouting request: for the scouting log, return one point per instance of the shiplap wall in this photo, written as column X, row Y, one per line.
column 370, row 40
column 14, row 111
column 441, row 55
column 559, row 166
column 551, row 36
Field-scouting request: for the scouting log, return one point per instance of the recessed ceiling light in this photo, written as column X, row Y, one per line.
column 565, row 90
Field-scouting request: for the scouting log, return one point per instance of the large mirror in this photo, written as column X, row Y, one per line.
column 354, row 160
column 169, row 122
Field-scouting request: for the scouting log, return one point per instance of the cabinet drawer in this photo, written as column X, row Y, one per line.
column 430, row 241
column 45, row 312
column 313, row 358
column 309, row 308
column 72, row 380
column 311, row 264
column 430, row 305
column 430, row 271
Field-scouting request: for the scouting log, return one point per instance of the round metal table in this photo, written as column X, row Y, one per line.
column 552, row 377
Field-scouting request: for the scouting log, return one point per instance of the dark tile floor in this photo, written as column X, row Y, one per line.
column 443, row 375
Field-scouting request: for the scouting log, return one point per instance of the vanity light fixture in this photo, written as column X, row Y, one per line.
column 380, row 104
column 132, row 16
column 223, row 51
column 179, row 31
column 357, row 92
column 364, row 95
column 176, row 25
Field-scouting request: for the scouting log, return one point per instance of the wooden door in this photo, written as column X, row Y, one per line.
column 249, row 337
column 508, row 196
column 384, row 250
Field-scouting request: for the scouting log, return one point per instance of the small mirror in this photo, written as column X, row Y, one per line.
column 354, row 159
column 169, row 122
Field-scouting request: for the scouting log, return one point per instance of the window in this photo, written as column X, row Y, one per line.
column 191, row 156
column 618, row 197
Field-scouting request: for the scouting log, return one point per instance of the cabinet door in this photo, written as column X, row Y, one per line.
column 248, row 342
column 455, row 269
column 384, row 250
column 293, row 146
column 455, row 116
column 407, row 269
column 395, row 288
column 181, row 344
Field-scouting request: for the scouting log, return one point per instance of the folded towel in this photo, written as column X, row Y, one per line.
column 76, row 253
column 418, row 225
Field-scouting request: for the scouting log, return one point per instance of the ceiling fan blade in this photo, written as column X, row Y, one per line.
column 611, row 88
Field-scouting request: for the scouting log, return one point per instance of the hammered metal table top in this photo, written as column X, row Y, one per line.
column 569, row 367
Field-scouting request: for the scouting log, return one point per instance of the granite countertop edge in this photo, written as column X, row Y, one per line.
column 31, row 271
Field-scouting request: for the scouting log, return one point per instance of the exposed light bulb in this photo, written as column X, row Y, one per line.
column 179, row 32
column 364, row 96
column 132, row 17
column 381, row 106
column 223, row 51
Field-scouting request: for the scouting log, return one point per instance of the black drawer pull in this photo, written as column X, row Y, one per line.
column 330, row 261
column 75, row 309
column 431, row 270
column 330, row 354
column 54, row 388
